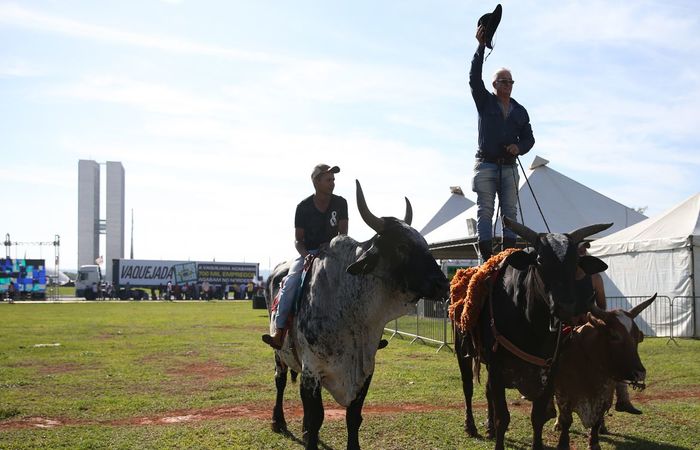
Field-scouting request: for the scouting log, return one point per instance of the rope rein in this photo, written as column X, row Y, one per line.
column 533, row 196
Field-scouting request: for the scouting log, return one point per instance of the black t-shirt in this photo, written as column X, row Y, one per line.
column 320, row 227
column 584, row 293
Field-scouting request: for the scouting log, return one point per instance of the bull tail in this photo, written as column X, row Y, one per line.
column 476, row 355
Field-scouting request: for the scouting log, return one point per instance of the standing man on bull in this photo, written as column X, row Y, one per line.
column 504, row 133
column 318, row 219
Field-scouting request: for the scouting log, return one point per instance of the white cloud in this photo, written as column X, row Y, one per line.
column 19, row 69
column 150, row 97
column 599, row 21
column 218, row 141
column 20, row 17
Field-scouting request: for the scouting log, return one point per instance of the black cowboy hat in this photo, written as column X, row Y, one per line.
column 490, row 22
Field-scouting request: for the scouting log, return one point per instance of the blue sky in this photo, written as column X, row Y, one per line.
column 219, row 110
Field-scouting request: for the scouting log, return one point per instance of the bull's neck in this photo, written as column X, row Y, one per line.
column 593, row 349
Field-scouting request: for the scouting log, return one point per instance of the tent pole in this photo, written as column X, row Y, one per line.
column 692, row 283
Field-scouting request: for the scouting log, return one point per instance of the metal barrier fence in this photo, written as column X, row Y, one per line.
column 429, row 323
column 656, row 320
column 684, row 305
column 662, row 317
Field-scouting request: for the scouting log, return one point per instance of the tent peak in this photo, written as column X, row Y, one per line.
column 538, row 162
column 456, row 190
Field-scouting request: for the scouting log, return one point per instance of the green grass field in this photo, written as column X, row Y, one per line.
column 153, row 375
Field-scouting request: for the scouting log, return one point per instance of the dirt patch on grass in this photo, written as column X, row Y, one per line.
column 61, row 368
column 256, row 411
column 203, row 371
column 293, row 410
column 36, row 422
column 48, row 368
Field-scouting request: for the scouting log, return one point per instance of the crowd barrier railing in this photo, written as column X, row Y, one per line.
column 427, row 323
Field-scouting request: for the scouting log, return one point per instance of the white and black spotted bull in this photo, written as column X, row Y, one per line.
column 354, row 289
column 596, row 357
column 517, row 334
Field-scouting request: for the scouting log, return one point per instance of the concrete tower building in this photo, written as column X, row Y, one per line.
column 88, row 212
column 89, row 224
column 114, row 229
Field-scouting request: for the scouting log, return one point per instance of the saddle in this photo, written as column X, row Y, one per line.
column 271, row 340
column 469, row 289
column 297, row 295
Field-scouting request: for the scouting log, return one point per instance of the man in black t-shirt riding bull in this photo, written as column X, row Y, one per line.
column 318, row 219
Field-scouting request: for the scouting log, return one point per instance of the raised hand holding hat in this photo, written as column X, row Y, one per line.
column 489, row 22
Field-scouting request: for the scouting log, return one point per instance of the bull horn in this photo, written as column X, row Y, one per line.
column 521, row 230
column 370, row 219
column 582, row 233
column 597, row 312
column 409, row 212
column 634, row 312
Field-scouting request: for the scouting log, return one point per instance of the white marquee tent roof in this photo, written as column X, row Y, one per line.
column 565, row 203
column 454, row 206
column 668, row 230
column 662, row 255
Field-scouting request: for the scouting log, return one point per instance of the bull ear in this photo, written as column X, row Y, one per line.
column 520, row 260
column 364, row 264
column 591, row 264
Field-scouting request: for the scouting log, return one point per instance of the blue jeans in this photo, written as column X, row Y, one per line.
column 289, row 291
column 487, row 183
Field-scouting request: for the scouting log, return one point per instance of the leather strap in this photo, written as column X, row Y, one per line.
column 508, row 345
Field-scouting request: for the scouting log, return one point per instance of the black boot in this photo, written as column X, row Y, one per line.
column 507, row 243
column 623, row 403
column 485, row 249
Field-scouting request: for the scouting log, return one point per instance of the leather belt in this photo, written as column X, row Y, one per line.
column 501, row 161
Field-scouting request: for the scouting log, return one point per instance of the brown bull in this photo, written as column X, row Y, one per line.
column 599, row 354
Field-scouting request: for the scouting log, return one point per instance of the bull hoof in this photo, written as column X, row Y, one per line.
column 279, row 427
column 382, row 344
column 470, row 429
column 603, row 429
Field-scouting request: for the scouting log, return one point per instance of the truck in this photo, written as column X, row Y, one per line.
column 22, row 279
column 142, row 279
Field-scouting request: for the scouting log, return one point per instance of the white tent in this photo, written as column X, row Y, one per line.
column 454, row 206
column 566, row 205
column 660, row 255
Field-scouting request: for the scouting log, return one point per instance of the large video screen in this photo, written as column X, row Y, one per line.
column 28, row 275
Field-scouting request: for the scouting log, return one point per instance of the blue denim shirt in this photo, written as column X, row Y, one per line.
column 495, row 131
